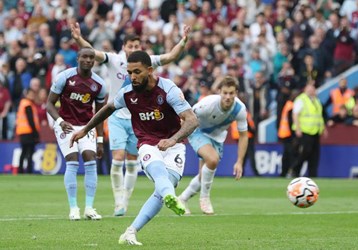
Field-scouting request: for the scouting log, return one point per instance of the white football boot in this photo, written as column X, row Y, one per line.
column 91, row 214
column 74, row 213
column 129, row 237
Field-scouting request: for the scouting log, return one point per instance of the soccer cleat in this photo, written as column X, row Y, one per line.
column 205, row 206
column 74, row 213
column 129, row 237
column 185, row 203
column 119, row 210
column 174, row 204
column 91, row 214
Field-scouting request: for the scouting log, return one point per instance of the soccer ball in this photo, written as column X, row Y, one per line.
column 302, row 192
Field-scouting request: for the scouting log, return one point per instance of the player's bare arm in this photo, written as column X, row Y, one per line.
column 99, row 129
column 51, row 109
column 98, row 118
column 76, row 35
column 178, row 49
column 243, row 141
column 188, row 125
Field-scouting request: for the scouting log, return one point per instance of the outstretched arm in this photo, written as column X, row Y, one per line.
column 99, row 117
column 242, row 145
column 188, row 125
column 177, row 50
column 76, row 35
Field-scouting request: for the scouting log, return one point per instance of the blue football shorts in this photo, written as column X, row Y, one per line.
column 121, row 135
column 198, row 139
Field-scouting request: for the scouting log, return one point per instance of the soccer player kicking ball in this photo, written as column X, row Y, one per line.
column 215, row 114
column 122, row 140
column 77, row 89
column 161, row 119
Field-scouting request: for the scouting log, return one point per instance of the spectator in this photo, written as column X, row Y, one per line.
column 308, row 72
column 338, row 97
column 258, row 102
column 353, row 120
column 64, row 9
column 58, row 66
column 5, row 105
column 339, row 118
column 18, row 82
column 344, row 52
column 49, row 49
column 101, row 33
column 41, row 106
column 69, row 55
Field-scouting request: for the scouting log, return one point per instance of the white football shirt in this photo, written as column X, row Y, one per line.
column 214, row 122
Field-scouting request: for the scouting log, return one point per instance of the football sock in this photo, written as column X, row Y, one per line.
column 70, row 180
column 130, row 178
column 192, row 189
column 117, row 180
column 90, row 182
column 160, row 176
column 150, row 208
column 207, row 178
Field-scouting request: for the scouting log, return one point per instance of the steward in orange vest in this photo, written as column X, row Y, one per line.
column 287, row 137
column 27, row 128
column 340, row 96
column 284, row 129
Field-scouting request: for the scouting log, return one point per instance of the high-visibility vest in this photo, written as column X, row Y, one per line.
column 350, row 105
column 284, row 130
column 338, row 99
column 310, row 117
column 235, row 133
column 22, row 124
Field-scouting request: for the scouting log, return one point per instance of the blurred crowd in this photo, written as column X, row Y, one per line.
column 273, row 47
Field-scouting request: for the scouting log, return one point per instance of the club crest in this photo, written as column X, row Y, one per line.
column 94, row 87
column 160, row 99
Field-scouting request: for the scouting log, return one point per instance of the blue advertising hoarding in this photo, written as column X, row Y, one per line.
column 337, row 161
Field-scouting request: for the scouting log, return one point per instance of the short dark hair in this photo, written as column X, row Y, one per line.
column 229, row 81
column 84, row 48
column 140, row 56
column 131, row 37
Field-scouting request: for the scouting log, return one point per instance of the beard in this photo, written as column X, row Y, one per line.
column 140, row 88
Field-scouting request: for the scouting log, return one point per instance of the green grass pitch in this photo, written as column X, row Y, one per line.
column 253, row 213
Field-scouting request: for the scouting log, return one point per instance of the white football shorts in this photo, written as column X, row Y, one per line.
column 173, row 157
column 86, row 143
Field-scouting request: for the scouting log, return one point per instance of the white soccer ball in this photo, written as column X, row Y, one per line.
column 302, row 192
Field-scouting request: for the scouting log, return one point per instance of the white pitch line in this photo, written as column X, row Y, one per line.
column 53, row 217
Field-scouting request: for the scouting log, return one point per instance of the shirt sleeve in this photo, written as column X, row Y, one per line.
column 297, row 106
column 102, row 94
column 155, row 61
column 175, row 98
column 242, row 120
column 59, row 83
column 119, row 101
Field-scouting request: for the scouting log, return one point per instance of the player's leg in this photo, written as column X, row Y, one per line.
column 117, row 144
column 72, row 165
column 192, row 189
column 150, row 208
column 155, row 166
column 88, row 147
column 211, row 158
column 131, row 163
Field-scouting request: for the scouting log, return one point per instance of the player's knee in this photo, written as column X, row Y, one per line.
column 212, row 162
column 118, row 155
